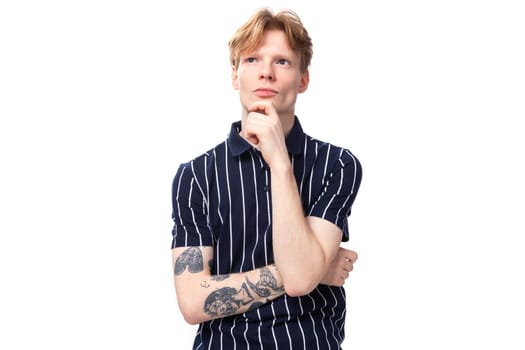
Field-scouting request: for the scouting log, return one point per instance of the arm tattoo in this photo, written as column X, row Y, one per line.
column 191, row 258
column 226, row 301
column 266, row 285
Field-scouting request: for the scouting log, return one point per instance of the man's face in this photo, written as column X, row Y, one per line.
column 271, row 72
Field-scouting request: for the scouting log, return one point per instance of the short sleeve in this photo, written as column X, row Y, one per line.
column 189, row 211
column 339, row 192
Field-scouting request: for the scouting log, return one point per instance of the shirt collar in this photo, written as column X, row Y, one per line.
column 294, row 140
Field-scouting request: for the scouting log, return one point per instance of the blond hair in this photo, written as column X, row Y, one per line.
column 248, row 37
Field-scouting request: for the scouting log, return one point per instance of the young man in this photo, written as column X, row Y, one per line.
column 260, row 217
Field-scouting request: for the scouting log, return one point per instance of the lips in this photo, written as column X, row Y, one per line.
column 263, row 92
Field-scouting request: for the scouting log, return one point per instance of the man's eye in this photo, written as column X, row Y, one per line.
column 282, row 61
column 250, row 59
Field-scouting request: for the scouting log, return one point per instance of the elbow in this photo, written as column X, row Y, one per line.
column 299, row 288
column 191, row 320
column 301, row 283
column 190, row 313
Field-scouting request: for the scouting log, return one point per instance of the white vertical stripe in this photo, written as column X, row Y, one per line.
column 256, row 212
column 335, row 194
column 207, row 191
column 324, row 178
column 233, row 337
column 212, row 333
column 351, row 191
column 341, row 329
column 331, row 318
column 286, row 323
column 326, row 162
column 313, row 321
column 260, row 325
column 193, row 212
column 246, row 331
column 178, row 208
column 305, row 150
column 196, row 179
column 300, row 323
column 222, row 334
column 230, row 202
column 268, row 210
column 218, row 185
column 311, row 177
column 324, row 318
column 243, row 216
column 273, row 328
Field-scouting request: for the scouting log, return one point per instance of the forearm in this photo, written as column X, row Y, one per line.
column 298, row 254
column 203, row 297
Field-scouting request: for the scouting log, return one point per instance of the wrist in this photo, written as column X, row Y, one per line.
column 281, row 166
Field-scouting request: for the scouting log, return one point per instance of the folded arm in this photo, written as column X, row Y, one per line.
column 304, row 247
column 203, row 296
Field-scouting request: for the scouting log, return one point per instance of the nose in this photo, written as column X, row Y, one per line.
column 266, row 72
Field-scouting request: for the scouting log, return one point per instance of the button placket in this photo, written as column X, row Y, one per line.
column 266, row 172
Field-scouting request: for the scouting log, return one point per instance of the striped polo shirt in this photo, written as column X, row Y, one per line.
column 223, row 199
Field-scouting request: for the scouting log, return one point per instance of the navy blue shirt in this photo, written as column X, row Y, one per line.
column 223, row 199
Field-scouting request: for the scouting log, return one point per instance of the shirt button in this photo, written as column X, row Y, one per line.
column 266, row 188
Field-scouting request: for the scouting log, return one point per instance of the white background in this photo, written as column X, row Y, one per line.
column 101, row 100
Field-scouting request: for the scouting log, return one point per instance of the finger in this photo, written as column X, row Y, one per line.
column 351, row 256
column 348, row 267
column 263, row 107
column 342, row 279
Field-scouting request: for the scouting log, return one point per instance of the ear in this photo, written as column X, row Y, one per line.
column 305, row 80
column 235, row 78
